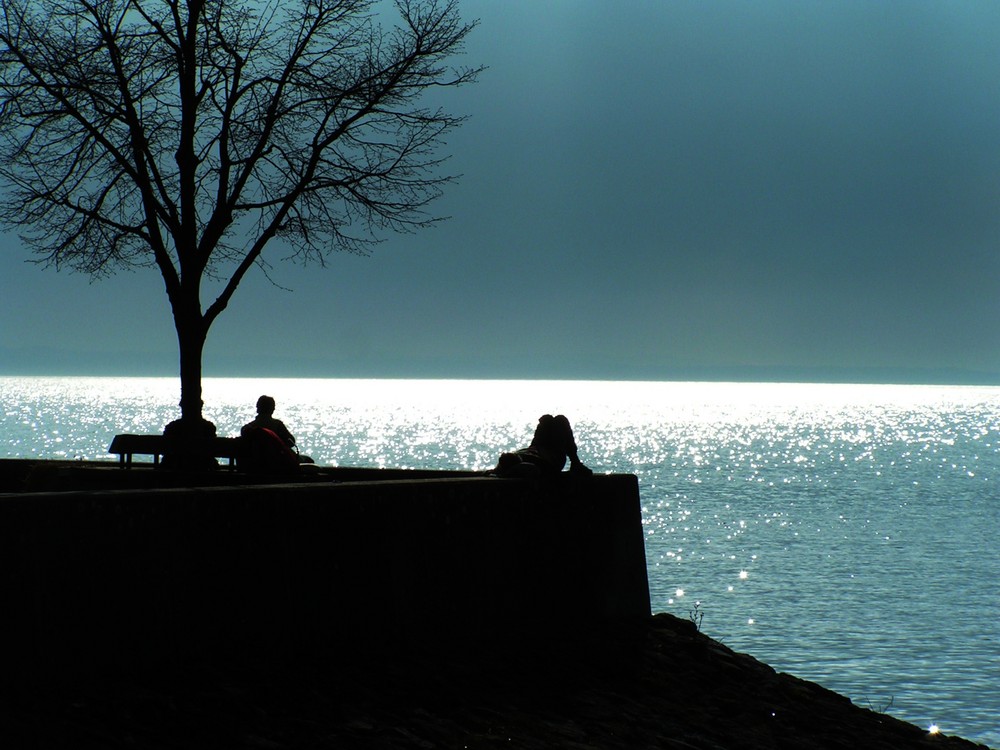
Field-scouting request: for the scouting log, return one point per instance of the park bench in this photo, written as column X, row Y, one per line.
column 156, row 446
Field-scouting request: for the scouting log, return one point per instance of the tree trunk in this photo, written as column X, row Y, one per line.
column 191, row 342
column 191, row 334
column 187, row 451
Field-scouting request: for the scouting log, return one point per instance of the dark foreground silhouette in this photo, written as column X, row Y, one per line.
column 185, row 432
column 655, row 684
column 269, row 446
column 552, row 445
column 265, row 419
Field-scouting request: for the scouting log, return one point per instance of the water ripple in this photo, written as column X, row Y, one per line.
column 841, row 533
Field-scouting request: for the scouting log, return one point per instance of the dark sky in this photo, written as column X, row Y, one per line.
column 659, row 190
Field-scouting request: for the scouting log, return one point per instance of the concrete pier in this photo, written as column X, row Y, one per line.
column 112, row 579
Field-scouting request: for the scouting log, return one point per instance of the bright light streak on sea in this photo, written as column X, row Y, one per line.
column 845, row 534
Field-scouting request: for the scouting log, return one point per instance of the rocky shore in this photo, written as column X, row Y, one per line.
column 657, row 683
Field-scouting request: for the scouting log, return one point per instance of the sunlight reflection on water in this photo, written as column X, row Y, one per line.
column 841, row 533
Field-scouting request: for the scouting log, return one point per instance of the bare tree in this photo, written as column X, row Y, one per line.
column 190, row 135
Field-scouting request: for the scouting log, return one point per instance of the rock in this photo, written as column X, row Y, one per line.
column 653, row 684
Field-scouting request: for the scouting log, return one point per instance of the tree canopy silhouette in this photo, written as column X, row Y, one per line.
column 190, row 135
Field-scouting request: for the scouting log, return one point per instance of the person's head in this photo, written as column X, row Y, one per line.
column 265, row 406
column 554, row 432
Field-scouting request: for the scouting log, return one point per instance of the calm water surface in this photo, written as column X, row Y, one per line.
column 845, row 534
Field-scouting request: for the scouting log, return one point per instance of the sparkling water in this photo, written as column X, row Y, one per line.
column 842, row 533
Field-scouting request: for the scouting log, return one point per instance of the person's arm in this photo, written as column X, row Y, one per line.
column 285, row 434
column 575, row 464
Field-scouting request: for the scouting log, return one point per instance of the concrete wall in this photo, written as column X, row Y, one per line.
column 108, row 579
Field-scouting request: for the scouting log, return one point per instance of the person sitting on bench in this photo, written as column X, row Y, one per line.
column 265, row 418
column 270, row 446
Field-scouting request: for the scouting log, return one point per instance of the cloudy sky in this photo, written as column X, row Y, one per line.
column 653, row 189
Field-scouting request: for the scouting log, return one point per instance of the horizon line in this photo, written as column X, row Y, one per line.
column 970, row 380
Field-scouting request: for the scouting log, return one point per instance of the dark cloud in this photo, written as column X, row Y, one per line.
column 659, row 189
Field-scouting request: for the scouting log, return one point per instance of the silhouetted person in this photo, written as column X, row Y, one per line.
column 184, row 453
column 265, row 418
column 267, row 444
column 551, row 446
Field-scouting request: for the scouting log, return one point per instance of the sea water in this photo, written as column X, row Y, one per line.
column 842, row 533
